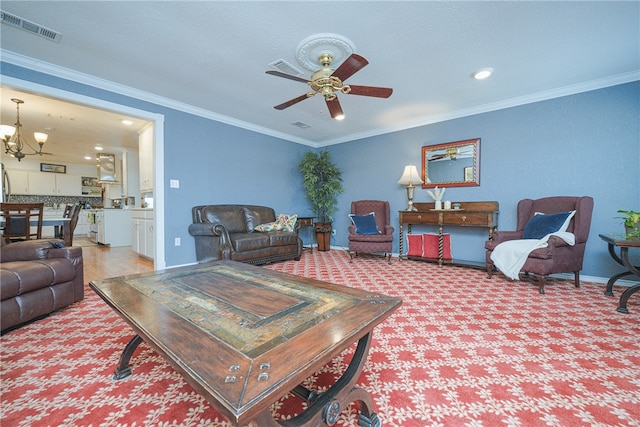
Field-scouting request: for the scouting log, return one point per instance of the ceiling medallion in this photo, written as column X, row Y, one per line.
column 311, row 48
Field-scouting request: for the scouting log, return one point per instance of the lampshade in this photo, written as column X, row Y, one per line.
column 410, row 176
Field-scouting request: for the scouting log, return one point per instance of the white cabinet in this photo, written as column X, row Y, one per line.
column 145, row 142
column 19, row 181
column 142, row 232
column 113, row 226
column 82, row 226
column 68, row 185
column 45, row 184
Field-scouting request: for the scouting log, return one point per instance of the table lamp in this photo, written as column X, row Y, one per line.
column 409, row 177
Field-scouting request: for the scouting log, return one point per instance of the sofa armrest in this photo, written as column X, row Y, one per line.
column 203, row 229
column 503, row 236
column 556, row 242
column 29, row 250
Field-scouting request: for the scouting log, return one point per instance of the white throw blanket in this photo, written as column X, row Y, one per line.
column 510, row 256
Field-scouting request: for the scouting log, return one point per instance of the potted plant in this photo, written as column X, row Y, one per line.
column 322, row 182
column 631, row 223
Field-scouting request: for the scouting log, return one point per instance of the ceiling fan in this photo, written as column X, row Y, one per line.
column 328, row 81
column 452, row 153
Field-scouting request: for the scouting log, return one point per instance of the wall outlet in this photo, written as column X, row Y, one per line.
column 333, row 232
column 177, row 241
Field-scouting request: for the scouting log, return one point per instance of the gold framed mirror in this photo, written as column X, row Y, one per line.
column 452, row 164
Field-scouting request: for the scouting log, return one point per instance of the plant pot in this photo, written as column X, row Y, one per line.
column 632, row 233
column 323, row 236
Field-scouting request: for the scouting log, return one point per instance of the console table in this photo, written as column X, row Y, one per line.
column 307, row 222
column 470, row 214
column 624, row 245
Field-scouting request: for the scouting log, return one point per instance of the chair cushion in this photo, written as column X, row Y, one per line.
column 540, row 224
column 365, row 224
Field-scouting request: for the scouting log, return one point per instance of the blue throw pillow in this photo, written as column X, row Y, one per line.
column 365, row 224
column 541, row 225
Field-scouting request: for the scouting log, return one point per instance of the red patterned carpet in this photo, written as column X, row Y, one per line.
column 461, row 351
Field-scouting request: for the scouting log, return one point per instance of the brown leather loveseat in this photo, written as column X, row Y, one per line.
column 228, row 232
column 37, row 278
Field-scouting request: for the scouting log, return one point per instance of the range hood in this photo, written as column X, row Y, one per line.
column 107, row 168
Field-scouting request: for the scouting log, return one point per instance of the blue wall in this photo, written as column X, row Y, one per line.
column 585, row 144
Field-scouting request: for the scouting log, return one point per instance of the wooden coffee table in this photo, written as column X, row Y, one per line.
column 243, row 336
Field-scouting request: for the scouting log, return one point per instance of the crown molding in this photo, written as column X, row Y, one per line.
column 86, row 79
column 72, row 75
column 619, row 79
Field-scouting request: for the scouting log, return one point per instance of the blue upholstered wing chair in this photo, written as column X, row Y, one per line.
column 372, row 243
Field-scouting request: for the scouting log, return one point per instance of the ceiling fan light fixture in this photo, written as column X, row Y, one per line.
column 483, row 73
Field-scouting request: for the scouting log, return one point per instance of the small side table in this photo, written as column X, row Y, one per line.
column 623, row 259
column 307, row 222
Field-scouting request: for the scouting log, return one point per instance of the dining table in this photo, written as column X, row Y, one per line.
column 65, row 223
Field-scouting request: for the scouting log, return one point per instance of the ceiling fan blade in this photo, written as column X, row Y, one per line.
column 334, row 108
column 350, row 66
column 290, row 102
column 379, row 92
column 287, row 76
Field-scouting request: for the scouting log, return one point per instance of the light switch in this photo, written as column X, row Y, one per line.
column 174, row 183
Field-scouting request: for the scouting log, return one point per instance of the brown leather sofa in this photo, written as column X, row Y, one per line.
column 36, row 279
column 227, row 232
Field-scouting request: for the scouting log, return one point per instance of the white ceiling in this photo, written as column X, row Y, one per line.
column 211, row 56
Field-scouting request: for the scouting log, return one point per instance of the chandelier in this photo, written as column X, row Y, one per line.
column 14, row 141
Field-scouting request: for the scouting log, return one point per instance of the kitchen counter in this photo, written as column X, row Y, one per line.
column 112, row 226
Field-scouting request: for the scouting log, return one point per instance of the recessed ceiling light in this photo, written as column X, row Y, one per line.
column 98, row 148
column 483, row 73
column 88, row 157
column 127, row 122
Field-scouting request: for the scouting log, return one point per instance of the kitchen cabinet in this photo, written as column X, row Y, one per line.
column 19, row 181
column 113, row 227
column 142, row 232
column 51, row 184
column 145, row 143
column 82, row 226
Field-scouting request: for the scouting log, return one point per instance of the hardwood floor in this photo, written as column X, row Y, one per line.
column 102, row 262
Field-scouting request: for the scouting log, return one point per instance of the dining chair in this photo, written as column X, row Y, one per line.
column 18, row 220
column 74, row 213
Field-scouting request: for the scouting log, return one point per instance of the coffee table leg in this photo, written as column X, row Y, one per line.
column 123, row 370
column 325, row 408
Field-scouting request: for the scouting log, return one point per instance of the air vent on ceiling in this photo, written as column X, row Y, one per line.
column 285, row 67
column 32, row 27
column 301, row 125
